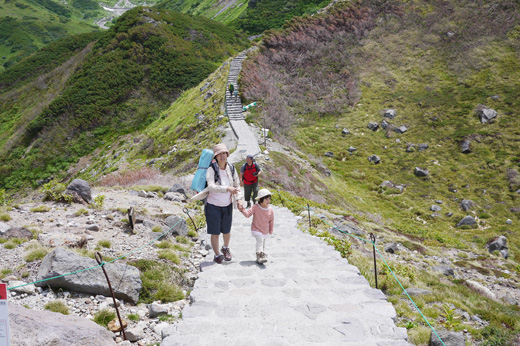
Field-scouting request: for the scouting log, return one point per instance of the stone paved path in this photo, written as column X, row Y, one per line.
column 305, row 295
column 247, row 143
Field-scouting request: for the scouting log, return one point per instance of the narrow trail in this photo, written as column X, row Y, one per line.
column 306, row 294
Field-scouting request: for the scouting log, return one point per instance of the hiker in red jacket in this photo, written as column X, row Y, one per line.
column 249, row 179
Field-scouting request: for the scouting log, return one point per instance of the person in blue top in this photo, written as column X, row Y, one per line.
column 249, row 179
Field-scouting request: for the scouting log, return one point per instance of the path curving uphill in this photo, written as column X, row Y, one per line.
column 306, row 294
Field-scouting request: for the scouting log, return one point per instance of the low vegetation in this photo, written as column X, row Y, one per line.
column 57, row 306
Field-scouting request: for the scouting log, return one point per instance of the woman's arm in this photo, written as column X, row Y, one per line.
column 212, row 186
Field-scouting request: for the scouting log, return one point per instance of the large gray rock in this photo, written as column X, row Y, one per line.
column 420, row 172
column 81, row 188
column 465, row 147
column 449, row 339
column 31, row 327
column 482, row 290
column 499, row 244
column 467, row 221
column 177, row 188
column 177, row 225
column 17, row 232
column 467, row 204
column 125, row 279
column 486, row 114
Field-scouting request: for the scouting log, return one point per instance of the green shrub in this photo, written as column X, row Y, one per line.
column 37, row 253
column 82, row 211
column 4, row 198
column 99, row 201
column 57, row 306
column 133, row 317
column 102, row 317
column 53, row 191
column 5, row 217
column 165, row 244
column 169, row 255
column 157, row 282
column 157, row 229
column 105, row 243
column 41, row 209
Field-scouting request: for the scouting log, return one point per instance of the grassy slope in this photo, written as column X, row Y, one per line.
column 406, row 61
column 26, row 26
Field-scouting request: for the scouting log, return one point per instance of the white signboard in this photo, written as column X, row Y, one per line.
column 4, row 316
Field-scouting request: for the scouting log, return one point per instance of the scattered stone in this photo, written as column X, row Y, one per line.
column 423, row 146
column 157, row 309
column 419, row 172
column 466, row 204
column 467, row 221
column 435, row 208
column 81, row 188
column 392, row 248
column 448, row 338
column 374, row 158
column 177, row 225
column 444, row 270
column 351, row 149
column 329, row 154
column 401, row 129
column 509, row 222
column 465, row 147
column 486, row 115
column 17, row 232
column 499, row 244
column 373, row 126
column 389, row 113
column 345, row 132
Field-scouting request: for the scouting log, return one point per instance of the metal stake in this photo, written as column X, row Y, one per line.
column 373, row 239
column 188, row 213
column 309, row 210
column 99, row 260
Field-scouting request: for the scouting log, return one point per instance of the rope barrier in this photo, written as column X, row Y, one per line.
column 380, row 255
column 102, row 263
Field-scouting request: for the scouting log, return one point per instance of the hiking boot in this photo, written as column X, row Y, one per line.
column 226, row 253
column 263, row 257
column 218, row 258
column 259, row 257
column 248, row 205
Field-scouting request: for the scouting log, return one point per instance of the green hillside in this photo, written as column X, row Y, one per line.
column 126, row 78
column 28, row 25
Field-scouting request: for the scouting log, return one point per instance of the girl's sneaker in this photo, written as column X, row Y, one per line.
column 218, row 259
column 264, row 257
column 226, row 253
column 261, row 258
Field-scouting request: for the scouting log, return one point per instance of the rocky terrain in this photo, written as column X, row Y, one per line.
column 64, row 225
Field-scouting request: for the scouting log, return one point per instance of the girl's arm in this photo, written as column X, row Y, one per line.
column 248, row 212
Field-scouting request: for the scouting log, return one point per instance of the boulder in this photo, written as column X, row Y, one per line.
column 175, row 197
column 499, row 244
column 401, row 129
column 177, row 225
column 81, row 188
column 419, row 172
column 373, row 126
column 465, row 147
column 423, row 147
column 177, row 188
column 467, row 204
column 17, row 232
column 467, row 221
column 389, row 113
column 448, row 338
column 392, row 247
column 32, row 327
column 444, row 270
column 125, row 279
column 486, row 115
column 374, row 158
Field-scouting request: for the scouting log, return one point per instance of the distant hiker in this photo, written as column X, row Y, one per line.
column 249, row 179
column 236, row 94
column 231, row 88
column 223, row 192
column 262, row 225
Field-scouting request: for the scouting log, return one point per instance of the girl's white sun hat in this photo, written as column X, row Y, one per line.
column 263, row 193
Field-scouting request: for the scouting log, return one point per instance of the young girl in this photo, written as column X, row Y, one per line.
column 263, row 222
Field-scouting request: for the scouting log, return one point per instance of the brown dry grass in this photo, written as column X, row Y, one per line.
column 142, row 176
